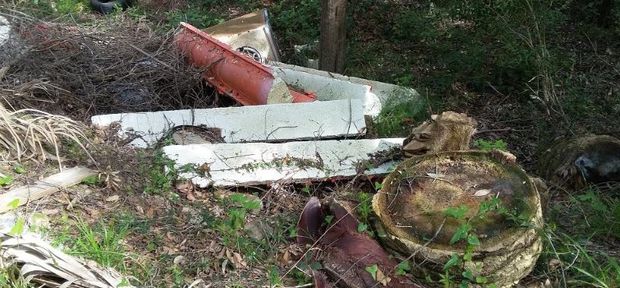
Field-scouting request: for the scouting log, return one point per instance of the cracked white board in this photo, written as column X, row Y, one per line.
column 268, row 123
column 265, row 163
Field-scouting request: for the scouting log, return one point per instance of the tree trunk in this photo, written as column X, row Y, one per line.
column 333, row 32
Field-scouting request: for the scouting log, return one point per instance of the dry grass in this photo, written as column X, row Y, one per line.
column 30, row 133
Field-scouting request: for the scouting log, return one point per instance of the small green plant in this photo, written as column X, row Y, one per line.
column 403, row 268
column 161, row 175
column 101, row 243
column 398, row 114
column 364, row 208
column 10, row 277
column 460, row 266
column 5, row 179
column 274, row 277
column 19, row 169
column 92, row 180
column 488, row 145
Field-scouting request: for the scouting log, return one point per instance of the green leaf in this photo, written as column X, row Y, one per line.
column 468, row 274
column 18, row 228
column 5, row 179
column 19, row 169
column 378, row 185
column 468, row 255
column 453, row 261
column 373, row 271
column 91, row 180
column 460, row 233
column 402, row 268
column 481, row 279
column 361, row 227
column 13, row 204
column 488, row 205
column 329, row 219
column 456, row 212
column 473, row 240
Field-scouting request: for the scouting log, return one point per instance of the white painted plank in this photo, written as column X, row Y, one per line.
column 275, row 122
column 44, row 187
column 327, row 88
column 264, row 163
column 379, row 91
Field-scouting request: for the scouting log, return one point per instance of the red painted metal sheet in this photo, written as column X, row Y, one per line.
column 229, row 71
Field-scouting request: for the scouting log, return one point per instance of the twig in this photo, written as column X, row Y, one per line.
column 151, row 56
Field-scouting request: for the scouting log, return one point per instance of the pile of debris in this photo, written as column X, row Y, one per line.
column 297, row 125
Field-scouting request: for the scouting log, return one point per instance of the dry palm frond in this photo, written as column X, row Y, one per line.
column 43, row 264
column 27, row 133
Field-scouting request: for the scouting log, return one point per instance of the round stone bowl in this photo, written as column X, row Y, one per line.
column 415, row 199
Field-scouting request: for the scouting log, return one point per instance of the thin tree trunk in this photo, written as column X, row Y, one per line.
column 333, row 35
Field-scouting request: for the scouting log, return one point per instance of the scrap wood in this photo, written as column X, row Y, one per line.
column 43, row 264
column 276, row 122
column 236, row 164
column 43, row 187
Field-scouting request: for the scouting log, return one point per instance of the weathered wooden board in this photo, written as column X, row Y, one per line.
column 43, row 188
column 275, row 122
column 265, row 163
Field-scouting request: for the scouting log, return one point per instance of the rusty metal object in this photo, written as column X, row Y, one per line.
column 234, row 73
column 249, row 34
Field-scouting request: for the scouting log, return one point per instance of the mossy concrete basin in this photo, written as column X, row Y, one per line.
column 412, row 205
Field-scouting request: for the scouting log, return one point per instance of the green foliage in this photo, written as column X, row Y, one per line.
column 100, row 242
column 398, row 114
column 198, row 17
column 589, row 266
column 456, row 212
column 488, row 145
column 489, row 37
column 10, row 277
column 364, row 208
column 402, row 268
column 63, row 7
column 455, row 267
column 19, row 169
column 5, row 179
column 296, row 21
column 372, row 270
column 18, row 228
column 593, row 213
column 92, row 180
column 274, row 277
column 161, row 174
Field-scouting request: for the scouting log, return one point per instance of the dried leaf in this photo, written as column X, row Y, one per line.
column 382, row 278
column 482, row 192
column 435, row 175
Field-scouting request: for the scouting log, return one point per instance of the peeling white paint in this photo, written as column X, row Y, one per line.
column 331, row 86
column 275, row 122
column 265, row 163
